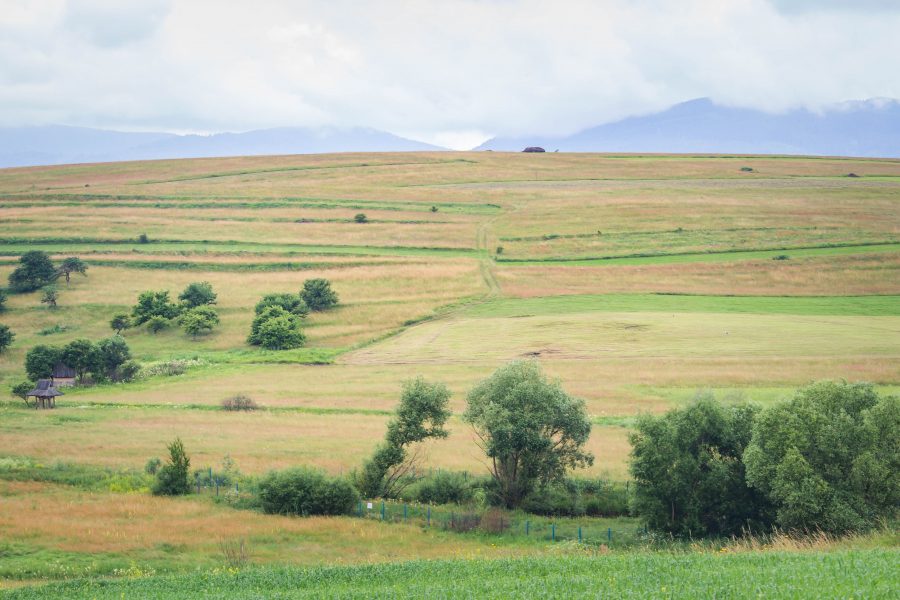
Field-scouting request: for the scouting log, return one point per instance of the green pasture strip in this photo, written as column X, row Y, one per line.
column 868, row 306
column 250, row 202
column 710, row 256
column 18, row 246
column 306, row 410
column 88, row 477
column 866, row 573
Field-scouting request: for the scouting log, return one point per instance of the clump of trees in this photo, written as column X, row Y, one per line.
column 6, row 337
column 530, row 429
column 194, row 313
column 278, row 320
column 172, row 477
column 827, row 460
column 36, row 270
column 421, row 415
column 107, row 360
column 688, row 474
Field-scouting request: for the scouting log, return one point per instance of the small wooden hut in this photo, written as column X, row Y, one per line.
column 62, row 375
column 44, row 394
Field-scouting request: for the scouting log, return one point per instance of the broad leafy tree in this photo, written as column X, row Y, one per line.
column 70, row 265
column 421, row 415
column 688, row 474
column 530, row 429
column 40, row 360
column 3, row 299
column 198, row 294
column 20, row 390
column 318, row 295
column 6, row 337
column 83, row 356
column 829, row 459
column 276, row 329
column 113, row 353
column 153, row 304
column 35, row 270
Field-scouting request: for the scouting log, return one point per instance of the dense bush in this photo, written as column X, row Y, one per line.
column 306, row 492
column 578, row 497
column 276, row 329
column 6, row 337
column 40, row 360
column 157, row 323
column 172, row 478
column 199, row 320
column 688, row 474
column 154, row 304
column 444, row 487
column 829, row 459
column 196, row 294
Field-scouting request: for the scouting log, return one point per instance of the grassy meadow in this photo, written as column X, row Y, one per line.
column 636, row 280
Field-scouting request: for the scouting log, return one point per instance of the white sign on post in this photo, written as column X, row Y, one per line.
column 369, row 506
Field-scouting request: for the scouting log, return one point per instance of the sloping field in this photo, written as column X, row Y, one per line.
column 636, row 280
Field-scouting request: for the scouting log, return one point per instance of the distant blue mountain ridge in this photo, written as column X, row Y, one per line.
column 869, row 128
column 59, row 144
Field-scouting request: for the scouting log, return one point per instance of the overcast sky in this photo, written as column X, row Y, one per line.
column 444, row 71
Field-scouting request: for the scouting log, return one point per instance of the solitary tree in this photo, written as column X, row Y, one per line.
column 119, row 323
column 35, row 270
column 199, row 320
column 318, row 295
column 73, row 264
column 153, row 304
column 279, row 332
column 172, row 478
column 3, row 298
column 6, row 337
column 421, row 415
column 198, row 294
column 530, row 429
column 40, row 360
column 688, row 474
column 361, row 218
column 829, row 459
column 50, row 295
column 20, row 390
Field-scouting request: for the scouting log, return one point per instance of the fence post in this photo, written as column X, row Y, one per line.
column 609, row 534
column 217, row 486
column 429, row 516
column 197, row 479
column 527, row 526
column 579, row 534
column 404, row 513
column 553, row 532
column 359, row 509
column 382, row 510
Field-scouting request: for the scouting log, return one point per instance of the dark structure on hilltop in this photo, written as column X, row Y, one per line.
column 44, row 394
column 533, row 149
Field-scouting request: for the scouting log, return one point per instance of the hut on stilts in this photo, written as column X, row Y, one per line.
column 44, row 394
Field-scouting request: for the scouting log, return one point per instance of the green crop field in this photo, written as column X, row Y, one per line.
column 634, row 280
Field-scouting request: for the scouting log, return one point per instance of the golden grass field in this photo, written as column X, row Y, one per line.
column 430, row 293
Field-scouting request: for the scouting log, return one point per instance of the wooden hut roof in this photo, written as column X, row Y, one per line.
column 45, row 389
column 62, row 370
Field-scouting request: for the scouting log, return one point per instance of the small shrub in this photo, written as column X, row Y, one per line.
column 236, row 552
column 434, row 209
column 239, row 402
column 361, row 218
column 143, row 239
column 318, row 295
column 54, row 329
column 306, row 492
column 152, row 466
column 781, row 257
column 171, row 368
column 747, row 169
column 499, row 249
column 127, row 371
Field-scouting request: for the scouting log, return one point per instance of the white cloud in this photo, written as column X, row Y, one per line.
column 442, row 71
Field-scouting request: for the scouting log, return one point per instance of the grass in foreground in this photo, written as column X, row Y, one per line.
column 857, row 573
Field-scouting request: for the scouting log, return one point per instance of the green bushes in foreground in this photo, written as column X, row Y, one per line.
column 842, row 574
column 306, row 492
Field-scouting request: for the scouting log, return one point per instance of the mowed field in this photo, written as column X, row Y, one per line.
column 636, row 280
